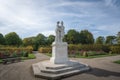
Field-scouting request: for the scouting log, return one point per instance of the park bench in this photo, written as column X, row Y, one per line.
column 11, row 60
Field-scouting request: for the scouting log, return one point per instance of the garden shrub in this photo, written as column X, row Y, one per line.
column 106, row 48
column 45, row 50
column 110, row 52
column 31, row 56
column 73, row 47
column 14, row 51
column 1, row 55
column 14, row 54
column 85, row 47
column 93, row 47
column 88, row 49
column 25, row 54
column 29, row 49
column 85, row 54
column 115, row 49
column 93, row 53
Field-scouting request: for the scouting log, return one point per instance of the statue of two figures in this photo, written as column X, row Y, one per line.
column 59, row 32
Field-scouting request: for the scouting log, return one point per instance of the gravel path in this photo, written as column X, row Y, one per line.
column 102, row 69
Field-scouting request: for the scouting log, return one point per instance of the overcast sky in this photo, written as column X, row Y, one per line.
column 31, row 17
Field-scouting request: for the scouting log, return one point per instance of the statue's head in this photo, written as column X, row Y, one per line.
column 58, row 22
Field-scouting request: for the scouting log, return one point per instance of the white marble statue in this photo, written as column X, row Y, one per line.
column 59, row 32
column 59, row 64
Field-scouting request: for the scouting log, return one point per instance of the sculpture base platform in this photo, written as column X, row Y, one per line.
column 59, row 53
column 49, row 70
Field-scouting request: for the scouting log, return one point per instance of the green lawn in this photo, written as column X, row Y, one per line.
column 30, row 56
column 0, row 61
column 118, row 61
column 79, row 56
column 48, row 54
column 95, row 56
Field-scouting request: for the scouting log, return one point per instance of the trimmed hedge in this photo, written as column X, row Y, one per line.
column 45, row 50
column 115, row 49
column 89, row 47
column 29, row 49
column 15, row 52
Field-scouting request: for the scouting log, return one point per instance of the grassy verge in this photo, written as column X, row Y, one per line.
column 95, row 56
column 30, row 56
column 118, row 61
column 49, row 54
column 79, row 56
column 0, row 60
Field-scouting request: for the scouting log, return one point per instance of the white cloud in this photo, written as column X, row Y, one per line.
column 30, row 17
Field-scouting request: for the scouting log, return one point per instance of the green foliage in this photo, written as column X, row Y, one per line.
column 28, row 41
column 115, row 49
column 106, row 48
column 85, row 54
column 72, row 37
column 45, row 50
column 13, row 39
column 74, row 47
column 25, row 54
column 50, row 39
column 85, row 47
column 93, row 53
column 99, row 48
column 2, row 39
column 1, row 61
column 86, row 37
column 118, row 61
column 90, row 54
column 93, row 47
column 118, row 38
column 40, row 40
column 109, row 40
column 49, row 54
column 31, row 56
column 100, row 40
column 15, row 52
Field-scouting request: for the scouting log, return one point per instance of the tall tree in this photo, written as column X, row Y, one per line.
column 2, row 39
column 118, row 38
column 28, row 41
column 100, row 40
column 72, row 37
column 110, row 39
column 86, row 37
column 50, row 39
column 13, row 39
column 39, row 40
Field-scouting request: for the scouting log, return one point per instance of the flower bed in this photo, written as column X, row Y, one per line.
column 14, row 52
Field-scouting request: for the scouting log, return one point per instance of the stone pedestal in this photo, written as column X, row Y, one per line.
column 51, row 71
column 59, row 53
column 59, row 66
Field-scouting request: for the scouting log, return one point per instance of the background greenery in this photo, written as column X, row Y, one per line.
column 78, row 40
